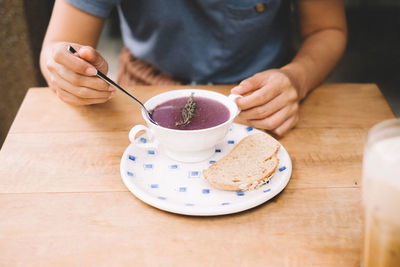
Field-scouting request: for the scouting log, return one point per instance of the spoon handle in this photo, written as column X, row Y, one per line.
column 108, row 80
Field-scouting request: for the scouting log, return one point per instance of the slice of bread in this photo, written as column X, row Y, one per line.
column 250, row 164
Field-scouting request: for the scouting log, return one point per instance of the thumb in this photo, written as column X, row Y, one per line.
column 93, row 57
column 248, row 85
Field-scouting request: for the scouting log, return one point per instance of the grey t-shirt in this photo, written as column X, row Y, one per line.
column 203, row 41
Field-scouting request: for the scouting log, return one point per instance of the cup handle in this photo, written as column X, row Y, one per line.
column 142, row 142
column 233, row 98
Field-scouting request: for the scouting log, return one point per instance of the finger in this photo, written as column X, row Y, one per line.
column 276, row 119
column 77, row 101
column 82, row 80
column 250, row 84
column 72, row 62
column 264, row 110
column 92, row 56
column 286, row 126
column 79, row 91
column 259, row 97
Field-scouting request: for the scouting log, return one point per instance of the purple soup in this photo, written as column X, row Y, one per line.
column 208, row 113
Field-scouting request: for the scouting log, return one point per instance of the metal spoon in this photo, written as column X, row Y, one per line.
column 108, row 80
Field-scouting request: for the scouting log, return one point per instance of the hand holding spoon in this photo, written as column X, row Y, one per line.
column 109, row 81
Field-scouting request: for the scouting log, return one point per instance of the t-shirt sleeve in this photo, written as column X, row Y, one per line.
column 100, row 8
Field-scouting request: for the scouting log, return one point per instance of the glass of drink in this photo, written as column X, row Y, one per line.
column 381, row 195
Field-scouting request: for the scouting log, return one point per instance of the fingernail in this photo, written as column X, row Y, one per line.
column 91, row 71
column 236, row 89
column 83, row 48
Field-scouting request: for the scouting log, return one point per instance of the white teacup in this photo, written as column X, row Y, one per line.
column 185, row 145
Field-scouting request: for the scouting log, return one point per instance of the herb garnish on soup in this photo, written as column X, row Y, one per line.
column 190, row 113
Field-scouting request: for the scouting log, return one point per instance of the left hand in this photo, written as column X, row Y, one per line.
column 272, row 102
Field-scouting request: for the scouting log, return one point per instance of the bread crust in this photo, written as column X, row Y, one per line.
column 254, row 170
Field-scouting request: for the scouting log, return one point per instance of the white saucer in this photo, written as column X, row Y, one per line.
column 180, row 188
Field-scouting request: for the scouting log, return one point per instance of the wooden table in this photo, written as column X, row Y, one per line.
column 62, row 200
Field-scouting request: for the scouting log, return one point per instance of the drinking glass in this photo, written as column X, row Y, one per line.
column 381, row 195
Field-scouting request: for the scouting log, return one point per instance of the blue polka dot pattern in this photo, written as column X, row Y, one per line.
column 148, row 166
column 194, row 174
column 205, row 191
column 180, row 187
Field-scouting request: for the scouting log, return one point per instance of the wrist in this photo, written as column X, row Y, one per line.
column 297, row 78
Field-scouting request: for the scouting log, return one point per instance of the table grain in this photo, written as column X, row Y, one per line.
column 63, row 203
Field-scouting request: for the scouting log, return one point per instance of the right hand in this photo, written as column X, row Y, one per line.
column 73, row 77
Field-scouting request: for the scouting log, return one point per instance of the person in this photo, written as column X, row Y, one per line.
column 245, row 43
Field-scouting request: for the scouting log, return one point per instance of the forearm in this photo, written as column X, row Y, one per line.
column 69, row 24
column 316, row 58
column 322, row 25
column 72, row 77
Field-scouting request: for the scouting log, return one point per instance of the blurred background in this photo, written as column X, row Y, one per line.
column 372, row 55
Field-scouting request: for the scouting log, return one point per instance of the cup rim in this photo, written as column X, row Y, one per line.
column 380, row 130
column 231, row 118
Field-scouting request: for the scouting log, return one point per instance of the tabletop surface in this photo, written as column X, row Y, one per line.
column 62, row 200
